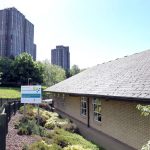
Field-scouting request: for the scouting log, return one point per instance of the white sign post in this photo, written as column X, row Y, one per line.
column 31, row 94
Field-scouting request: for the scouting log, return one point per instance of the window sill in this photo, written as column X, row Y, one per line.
column 97, row 122
column 83, row 116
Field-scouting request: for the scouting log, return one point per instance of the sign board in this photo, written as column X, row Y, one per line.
column 31, row 94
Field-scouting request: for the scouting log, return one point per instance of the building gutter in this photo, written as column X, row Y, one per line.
column 109, row 97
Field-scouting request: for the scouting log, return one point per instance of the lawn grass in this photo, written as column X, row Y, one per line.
column 10, row 92
column 14, row 92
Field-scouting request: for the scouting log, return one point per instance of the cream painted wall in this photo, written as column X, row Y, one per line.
column 120, row 120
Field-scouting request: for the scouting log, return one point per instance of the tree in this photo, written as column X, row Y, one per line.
column 52, row 73
column 6, row 68
column 74, row 70
column 0, row 77
column 38, row 75
column 25, row 67
column 145, row 111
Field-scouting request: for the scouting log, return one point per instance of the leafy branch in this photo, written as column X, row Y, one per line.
column 145, row 110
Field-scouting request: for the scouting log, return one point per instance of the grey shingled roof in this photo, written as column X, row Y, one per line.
column 125, row 77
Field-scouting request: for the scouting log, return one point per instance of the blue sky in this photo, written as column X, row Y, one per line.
column 95, row 30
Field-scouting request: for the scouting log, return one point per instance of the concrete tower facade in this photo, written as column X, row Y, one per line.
column 61, row 56
column 16, row 33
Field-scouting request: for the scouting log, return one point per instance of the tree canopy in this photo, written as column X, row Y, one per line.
column 52, row 73
column 17, row 71
column 25, row 67
column 74, row 70
column 6, row 69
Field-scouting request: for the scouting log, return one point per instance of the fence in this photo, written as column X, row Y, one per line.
column 6, row 111
column 6, row 100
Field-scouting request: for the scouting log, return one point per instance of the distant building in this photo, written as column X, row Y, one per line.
column 16, row 34
column 61, row 57
column 34, row 52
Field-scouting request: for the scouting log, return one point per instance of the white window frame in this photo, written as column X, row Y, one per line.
column 97, row 112
column 83, row 106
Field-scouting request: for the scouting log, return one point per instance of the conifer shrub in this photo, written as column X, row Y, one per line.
column 29, row 110
column 28, row 127
column 73, row 139
column 55, row 121
column 42, row 145
column 71, row 127
column 75, row 147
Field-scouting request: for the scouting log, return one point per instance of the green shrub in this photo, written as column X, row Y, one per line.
column 41, row 120
column 61, row 122
column 29, row 110
column 45, row 114
column 39, row 146
column 49, row 134
column 42, row 145
column 54, row 114
column 29, row 127
column 23, row 127
column 54, row 121
column 42, row 132
column 23, row 131
column 75, row 147
column 17, row 124
column 50, row 124
column 47, row 140
column 73, row 139
column 25, row 147
column 61, row 141
column 71, row 127
column 55, row 147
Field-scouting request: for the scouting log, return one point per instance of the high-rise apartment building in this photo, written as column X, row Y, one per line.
column 61, row 56
column 16, row 34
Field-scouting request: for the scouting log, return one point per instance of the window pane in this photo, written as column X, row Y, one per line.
column 85, row 111
column 99, row 117
column 99, row 109
column 94, row 100
column 94, row 116
column 81, row 111
column 99, row 101
column 95, row 107
column 83, row 106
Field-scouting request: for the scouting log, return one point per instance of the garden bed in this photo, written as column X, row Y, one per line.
column 52, row 133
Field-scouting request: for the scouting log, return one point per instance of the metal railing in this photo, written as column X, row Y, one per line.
column 6, row 111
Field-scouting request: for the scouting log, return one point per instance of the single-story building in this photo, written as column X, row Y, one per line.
column 102, row 101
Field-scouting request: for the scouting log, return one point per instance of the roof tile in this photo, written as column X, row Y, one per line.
column 125, row 77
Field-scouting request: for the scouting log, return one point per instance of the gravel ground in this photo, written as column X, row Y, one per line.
column 15, row 141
